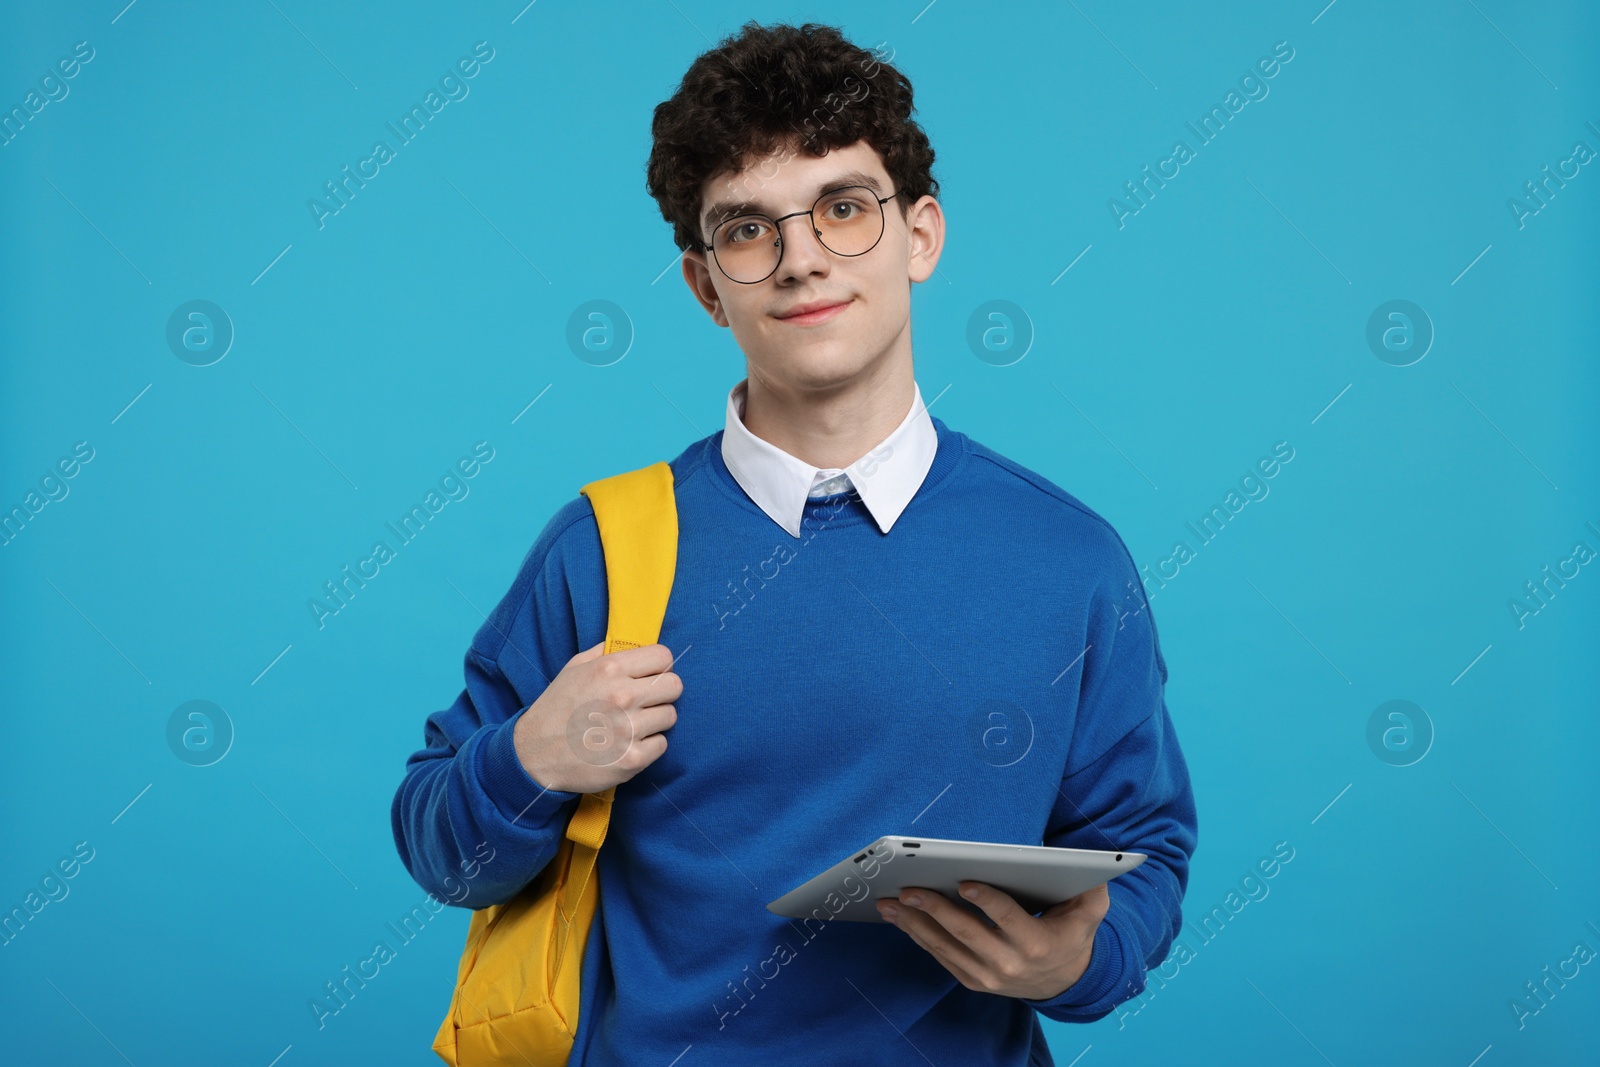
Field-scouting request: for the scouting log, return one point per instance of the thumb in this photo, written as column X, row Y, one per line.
column 1091, row 904
column 591, row 653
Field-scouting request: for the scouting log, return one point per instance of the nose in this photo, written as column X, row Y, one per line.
column 807, row 255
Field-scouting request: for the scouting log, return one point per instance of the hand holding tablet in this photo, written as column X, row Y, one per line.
column 1036, row 876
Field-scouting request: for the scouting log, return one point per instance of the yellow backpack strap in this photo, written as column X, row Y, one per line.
column 638, row 518
column 637, row 514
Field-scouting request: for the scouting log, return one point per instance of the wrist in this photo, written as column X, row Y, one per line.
column 524, row 741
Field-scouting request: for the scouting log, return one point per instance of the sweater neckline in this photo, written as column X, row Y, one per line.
column 947, row 460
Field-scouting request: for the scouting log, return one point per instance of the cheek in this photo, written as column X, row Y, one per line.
column 888, row 293
column 752, row 328
column 742, row 305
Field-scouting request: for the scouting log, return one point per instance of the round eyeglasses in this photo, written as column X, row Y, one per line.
column 848, row 222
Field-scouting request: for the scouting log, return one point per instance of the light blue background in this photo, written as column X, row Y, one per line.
column 1227, row 315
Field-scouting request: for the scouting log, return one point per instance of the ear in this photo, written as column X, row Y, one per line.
column 697, row 275
column 925, row 234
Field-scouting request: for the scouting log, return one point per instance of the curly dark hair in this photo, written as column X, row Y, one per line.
column 781, row 86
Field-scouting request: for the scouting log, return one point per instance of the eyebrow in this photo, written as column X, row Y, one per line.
column 722, row 210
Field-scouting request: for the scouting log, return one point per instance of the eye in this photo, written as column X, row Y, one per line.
column 844, row 207
column 745, row 230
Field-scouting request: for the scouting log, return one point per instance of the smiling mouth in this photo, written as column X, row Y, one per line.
column 811, row 318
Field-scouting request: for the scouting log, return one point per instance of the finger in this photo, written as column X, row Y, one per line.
column 656, row 719
column 1089, row 906
column 644, row 661
column 936, row 941
column 960, row 968
column 637, row 733
column 962, row 935
column 1001, row 907
column 642, row 753
column 664, row 688
column 594, row 652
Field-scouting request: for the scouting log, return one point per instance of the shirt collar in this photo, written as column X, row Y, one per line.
column 886, row 478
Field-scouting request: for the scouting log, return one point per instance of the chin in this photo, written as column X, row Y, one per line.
column 816, row 366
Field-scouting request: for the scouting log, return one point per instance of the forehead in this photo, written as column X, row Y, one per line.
column 788, row 175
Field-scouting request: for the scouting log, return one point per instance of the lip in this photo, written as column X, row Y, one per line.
column 813, row 313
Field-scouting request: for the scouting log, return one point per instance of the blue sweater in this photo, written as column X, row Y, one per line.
column 987, row 670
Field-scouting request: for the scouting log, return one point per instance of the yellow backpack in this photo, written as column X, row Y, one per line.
column 517, row 989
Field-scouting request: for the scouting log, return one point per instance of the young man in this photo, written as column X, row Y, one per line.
column 877, row 626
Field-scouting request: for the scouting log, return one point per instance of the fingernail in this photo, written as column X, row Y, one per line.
column 890, row 911
column 914, row 899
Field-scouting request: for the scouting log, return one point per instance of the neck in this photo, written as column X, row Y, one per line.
column 835, row 424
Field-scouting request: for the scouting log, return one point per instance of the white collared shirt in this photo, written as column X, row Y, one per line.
column 886, row 478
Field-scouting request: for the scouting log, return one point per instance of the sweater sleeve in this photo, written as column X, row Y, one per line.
column 472, row 826
column 1126, row 786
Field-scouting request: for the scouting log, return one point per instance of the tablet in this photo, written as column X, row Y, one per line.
column 1037, row 876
